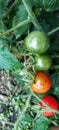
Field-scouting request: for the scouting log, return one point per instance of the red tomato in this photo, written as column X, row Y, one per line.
column 42, row 82
column 52, row 102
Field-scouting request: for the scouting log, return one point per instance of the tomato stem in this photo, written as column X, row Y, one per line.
column 39, row 99
column 53, row 31
column 32, row 15
column 31, row 18
column 27, row 104
column 55, row 67
column 11, row 7
column 17, row 26
column 9, row 123
column 3, row 103
column 55, row 56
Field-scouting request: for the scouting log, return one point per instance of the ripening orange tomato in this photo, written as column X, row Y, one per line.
column 42, row 82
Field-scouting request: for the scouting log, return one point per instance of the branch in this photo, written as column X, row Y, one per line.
column 53, row 31
column 11, row 7
column 22, row 113
column 55, row 67
column 50, row 109
column 17, row 26
column 32, row 15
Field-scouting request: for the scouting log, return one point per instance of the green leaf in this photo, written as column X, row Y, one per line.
column 2, row 26
column 52, row 19
column 21, row 15
column 27, row 118
column 25, row 122
column 57, row 4
column 7, row 60
column 48, row 5
column 41, row 123
column 25, row 78
column 3, row 4
column 54, row 48
column 55, row 83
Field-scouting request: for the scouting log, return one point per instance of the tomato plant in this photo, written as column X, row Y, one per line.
column 29, row 64
column 42, row 62
column 37, row 42
column 42, row 82
column 52, row 102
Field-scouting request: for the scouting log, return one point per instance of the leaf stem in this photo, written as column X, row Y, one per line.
column 32, row 15
column 31, row 18
column 55, row 56
column 8, row 11
column 17, row 26
column 6, row 122
column 22, row 113
column 9, row 123
column 53, row 31
column 2, row 103
column 55, row 67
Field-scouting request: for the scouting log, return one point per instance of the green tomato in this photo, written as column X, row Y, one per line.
column 42, row 62
column 37, row 42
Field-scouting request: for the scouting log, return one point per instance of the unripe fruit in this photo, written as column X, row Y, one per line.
column 42, row 62
column 37, row 42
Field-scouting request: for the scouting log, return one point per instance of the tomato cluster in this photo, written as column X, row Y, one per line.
column 42, row 84
column 38, row 42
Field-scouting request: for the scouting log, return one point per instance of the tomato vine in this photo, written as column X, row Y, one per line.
column 18, row 61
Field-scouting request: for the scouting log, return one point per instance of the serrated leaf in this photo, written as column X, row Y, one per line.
column 3, row 4
column 2, row 26
column 24, row 78
column 21, row 15
column 25, row 122
column 45, row 25
column 54, row 48
column 27, row 119
column 41, row 123
column 7, row 60
column 57, row 5
column 48, row 5
column 55, row 83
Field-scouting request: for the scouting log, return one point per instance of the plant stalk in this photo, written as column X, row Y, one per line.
column 50, row 109
column 53, row 31
column 11, row 7
column 17, row 26
column 22, row 113
column 32, row 15
column 55, row 67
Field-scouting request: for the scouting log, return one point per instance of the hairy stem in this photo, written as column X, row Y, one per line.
column 53, row 31
column 3, row 103
column 55, row 67
column 22, row 113
column 11, row 7
column 32, row 15
column 17, row 26
column 9, row 123
column 50, row 109
column 55, row 56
